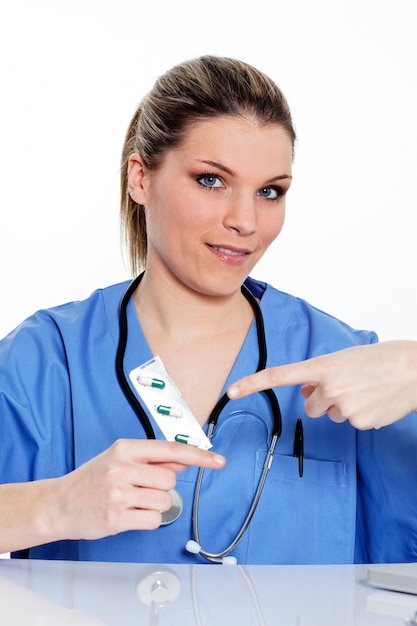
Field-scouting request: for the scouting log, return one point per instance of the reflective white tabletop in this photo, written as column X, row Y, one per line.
column 114, row 594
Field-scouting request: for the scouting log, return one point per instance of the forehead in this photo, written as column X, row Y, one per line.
column 237, row 139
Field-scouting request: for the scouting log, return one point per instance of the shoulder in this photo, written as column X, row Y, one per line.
column 292, row 320
column 99, row 302
column 49, row 327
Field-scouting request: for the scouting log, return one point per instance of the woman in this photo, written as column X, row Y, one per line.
column 205, row 170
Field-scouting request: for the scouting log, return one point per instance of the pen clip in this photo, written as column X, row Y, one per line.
column 299, row 446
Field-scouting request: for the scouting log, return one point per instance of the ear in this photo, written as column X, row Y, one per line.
column 136, row 172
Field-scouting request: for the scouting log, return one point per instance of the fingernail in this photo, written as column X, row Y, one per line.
column 218, row 459
column 233, row 392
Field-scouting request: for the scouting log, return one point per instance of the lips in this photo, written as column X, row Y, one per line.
column 230, row 251
column 234, row 257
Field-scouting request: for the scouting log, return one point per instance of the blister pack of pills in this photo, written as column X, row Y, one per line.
column 166, row 404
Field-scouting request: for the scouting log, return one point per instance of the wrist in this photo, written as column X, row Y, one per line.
column 47, row 520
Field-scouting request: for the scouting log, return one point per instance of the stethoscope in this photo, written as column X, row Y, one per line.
column 193, row 546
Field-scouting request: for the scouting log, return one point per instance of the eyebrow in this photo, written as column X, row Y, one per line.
column 223, row 168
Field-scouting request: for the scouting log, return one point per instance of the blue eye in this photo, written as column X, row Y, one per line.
column 271, row 193
column 211, row 181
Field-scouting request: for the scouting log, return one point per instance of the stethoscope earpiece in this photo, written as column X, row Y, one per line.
column 229, row 560
column 194, row 548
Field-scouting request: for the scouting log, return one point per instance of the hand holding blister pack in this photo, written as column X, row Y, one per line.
column 166, row 404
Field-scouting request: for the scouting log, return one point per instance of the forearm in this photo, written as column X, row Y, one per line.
column 25, row 515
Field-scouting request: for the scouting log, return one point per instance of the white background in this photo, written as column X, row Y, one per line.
column 73, row 71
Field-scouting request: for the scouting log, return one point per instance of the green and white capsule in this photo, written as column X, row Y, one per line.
column 149, row 381
column 172, row 411
column 191, row 441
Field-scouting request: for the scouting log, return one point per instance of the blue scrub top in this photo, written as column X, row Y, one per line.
column 61, row 405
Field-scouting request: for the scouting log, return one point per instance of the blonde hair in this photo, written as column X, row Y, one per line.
column 198, row 89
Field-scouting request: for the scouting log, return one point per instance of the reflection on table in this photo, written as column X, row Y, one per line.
column 97, row 594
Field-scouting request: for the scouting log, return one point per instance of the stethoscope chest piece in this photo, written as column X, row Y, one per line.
column 176, row 508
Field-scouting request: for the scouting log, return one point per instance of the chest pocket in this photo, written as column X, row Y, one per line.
column 298, row 520
column 303, row 520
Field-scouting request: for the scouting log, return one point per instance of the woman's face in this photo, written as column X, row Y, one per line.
column 215, row 203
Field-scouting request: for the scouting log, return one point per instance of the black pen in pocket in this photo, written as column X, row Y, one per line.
column 299, row 446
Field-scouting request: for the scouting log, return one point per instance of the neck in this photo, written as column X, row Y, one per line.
column 176, row 309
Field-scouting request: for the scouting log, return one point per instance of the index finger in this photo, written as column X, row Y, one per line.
column 298, row 373
column 176, row 455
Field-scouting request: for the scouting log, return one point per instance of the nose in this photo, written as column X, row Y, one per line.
column 241, row 214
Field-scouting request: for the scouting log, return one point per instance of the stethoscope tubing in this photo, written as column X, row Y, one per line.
column 121, row 348
column 131, row 397
column 216, row 557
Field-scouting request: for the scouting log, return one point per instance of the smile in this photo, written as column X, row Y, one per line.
column 230, row 252
column 231, row 256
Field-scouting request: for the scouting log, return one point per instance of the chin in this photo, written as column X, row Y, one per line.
column 219, row 285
